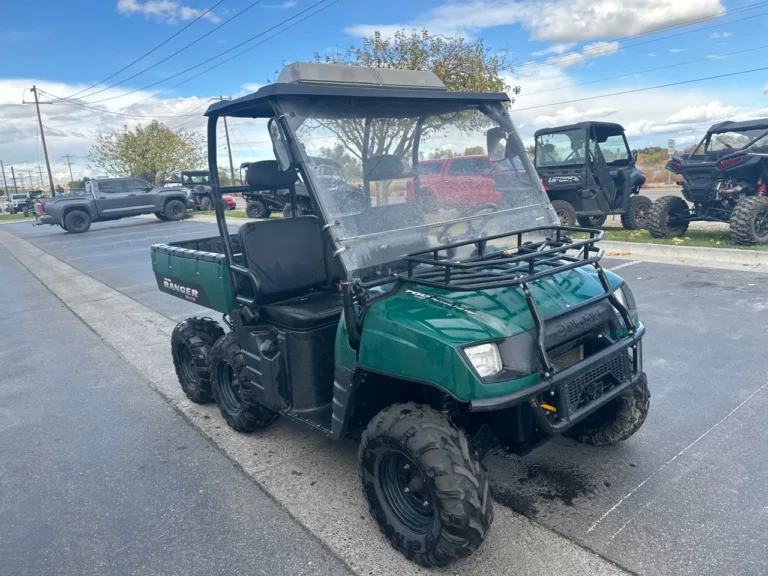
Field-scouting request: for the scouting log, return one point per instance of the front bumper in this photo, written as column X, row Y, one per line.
column 557, row 388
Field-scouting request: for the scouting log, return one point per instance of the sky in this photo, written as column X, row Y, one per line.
column 573, row 60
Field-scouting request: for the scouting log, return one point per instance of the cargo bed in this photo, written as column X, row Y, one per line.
column 196, row 271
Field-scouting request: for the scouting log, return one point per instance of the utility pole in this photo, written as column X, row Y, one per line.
column 5, row 183
column 71, row 178
column 13, row 175
column 229, row 148
column 39, row 171
column 42, row 139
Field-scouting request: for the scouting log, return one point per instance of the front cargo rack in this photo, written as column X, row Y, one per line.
column 517, row 266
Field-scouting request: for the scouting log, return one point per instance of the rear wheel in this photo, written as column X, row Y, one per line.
column 424, row 485
column 638, row 211
column 161, row 216
column 175, row 210
column 257, row 209
column 234, row 402
column 664, row 219
column 205, row 203
column 191, row 344
column 617, row 420
column 77, row 222
column 565, row 212
column 749, row 221
column 592, row 221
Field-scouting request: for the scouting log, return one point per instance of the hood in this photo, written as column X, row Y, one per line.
column 459, row 318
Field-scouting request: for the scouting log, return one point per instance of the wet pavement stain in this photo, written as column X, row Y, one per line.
column 516, row 501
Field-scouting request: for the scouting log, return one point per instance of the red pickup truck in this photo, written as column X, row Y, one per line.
column 457, row 181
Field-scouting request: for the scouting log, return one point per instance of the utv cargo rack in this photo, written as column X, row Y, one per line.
column 528, row 262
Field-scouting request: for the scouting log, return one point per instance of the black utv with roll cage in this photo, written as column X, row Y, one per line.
column 725, row 178
column 589, row 172
column 430, row 335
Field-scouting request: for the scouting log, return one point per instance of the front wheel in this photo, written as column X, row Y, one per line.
column 237, row 407
column 77, row 222
column 565, row 212
column 175, row 210
column 591, row 221
column 424, row 484
column 257, row 209
column 205, row 203
column 617, row 420
column 667, row 217
column 160, row 216
column 638, row 211
column 749, row 221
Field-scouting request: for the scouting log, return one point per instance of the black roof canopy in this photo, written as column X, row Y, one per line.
column 730, row 126
column 609, row 127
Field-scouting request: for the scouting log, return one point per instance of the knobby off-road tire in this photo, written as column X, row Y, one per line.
column 191, row 344
column 617, row 420
column 175, row 210
column 205, row 203
column 749, row 221
column 638, row 212
column 257, row 209
column 235, row 403
column 658, row 219
column 77, row 222
column 449, row 486
column 161, row 216
column 565, row 212
column 591, row 221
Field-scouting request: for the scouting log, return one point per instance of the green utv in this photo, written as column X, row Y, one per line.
column 432, row 335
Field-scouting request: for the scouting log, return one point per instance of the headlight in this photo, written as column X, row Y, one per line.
column 485, row 359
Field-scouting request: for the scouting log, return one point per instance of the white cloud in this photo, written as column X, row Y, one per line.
column 678, row 50
column 566, row 60
column 598, row 49
column 287, row 5
column 765, row 89
column 719, row 35
column 651, row 54
column 570, row 115
column 558, row 21
column 554, row 49
column 168, row 11
column 716, row 57
column 707, row 112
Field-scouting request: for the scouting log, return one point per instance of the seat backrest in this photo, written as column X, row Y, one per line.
column 287, row 255
column 266, row 175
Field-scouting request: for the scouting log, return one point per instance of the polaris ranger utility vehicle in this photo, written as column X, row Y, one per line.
column 589, row 172
column 432, row 336
column 725, row 179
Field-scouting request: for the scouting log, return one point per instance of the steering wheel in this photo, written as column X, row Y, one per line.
column 475, row 231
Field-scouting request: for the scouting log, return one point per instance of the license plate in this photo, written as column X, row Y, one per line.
column 570, row 358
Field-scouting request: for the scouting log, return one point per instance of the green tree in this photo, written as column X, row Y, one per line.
column 474, row 151
column 439, row 153
column 350, row 165
column 154, row 152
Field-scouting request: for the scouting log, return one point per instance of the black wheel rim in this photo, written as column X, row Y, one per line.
column 641, row 214
column 595, row 220
column 229, row 387
column 78, row 222
column 761, row 223
column 187, row 363
column 406, row 493
column 175, row 210
column 258, row 210
column 563, row 216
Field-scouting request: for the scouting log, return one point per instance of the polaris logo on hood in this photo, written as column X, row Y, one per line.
column 563, row 179
column 188, row 293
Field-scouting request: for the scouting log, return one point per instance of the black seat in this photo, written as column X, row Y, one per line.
column 305, row 312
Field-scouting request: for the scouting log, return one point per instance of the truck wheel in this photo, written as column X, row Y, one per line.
column 424, row 486
column 191, row 344
column 565, row 212
column 257, row 209
column 77, row 221
column 592, row 221
column 175, row 210
column 239, row 411
column 617, row 420
column 749, row 221
column 663, row 210
column 638, row 211
column 161, row 216
column 205, row 203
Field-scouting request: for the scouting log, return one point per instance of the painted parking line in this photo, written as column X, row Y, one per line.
column 625, row 265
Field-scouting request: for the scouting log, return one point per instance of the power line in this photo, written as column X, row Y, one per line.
column 634, row 73
column 140, row 58
column 671, row 27
column 109, row 112
column 179, row 51
column 213, row 57
column 642, row 89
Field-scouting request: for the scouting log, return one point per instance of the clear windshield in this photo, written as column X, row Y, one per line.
column 18, row 196
column 189, row 179
column 727, row 141
column 561, row 148
column 390, row 206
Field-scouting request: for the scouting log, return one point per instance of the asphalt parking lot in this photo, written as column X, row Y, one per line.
column 687, row 495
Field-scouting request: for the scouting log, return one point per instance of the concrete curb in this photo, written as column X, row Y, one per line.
column 693, row 255
column 314, row 479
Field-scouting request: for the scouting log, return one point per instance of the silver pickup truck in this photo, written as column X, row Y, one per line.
column 112, row 199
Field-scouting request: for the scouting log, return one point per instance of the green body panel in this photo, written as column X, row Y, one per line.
column 210, row 279
column 416, row 332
